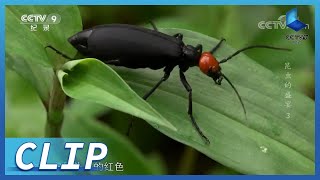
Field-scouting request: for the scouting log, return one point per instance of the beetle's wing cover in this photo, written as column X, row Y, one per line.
column 127, row 41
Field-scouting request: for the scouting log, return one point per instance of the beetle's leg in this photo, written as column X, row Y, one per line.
column 153, row 25
column 217, row 46
column 167, row 71
column 58, row 52
column 166, row 75
column 199, row 48
column 179, row 36
column 189, row 89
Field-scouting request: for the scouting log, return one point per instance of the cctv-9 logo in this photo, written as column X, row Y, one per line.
column 40, row 18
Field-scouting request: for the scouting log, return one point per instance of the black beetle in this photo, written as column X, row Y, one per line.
column 137, row 47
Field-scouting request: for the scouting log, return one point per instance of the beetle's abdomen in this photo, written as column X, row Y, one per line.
column 134, row 47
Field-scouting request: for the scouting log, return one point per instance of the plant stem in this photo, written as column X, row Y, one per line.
column 187, row 161
column 55, row 111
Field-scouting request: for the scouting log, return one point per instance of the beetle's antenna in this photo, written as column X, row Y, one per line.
column 239, row 97
column 217, row 46
column 251, row 47
column 58, row 52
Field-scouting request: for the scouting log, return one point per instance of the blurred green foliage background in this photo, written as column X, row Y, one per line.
column 238, row 24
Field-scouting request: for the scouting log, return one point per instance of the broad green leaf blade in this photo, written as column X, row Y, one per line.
column 267, row 143
column 92, row 80
column 25, row 52
column 86, row 108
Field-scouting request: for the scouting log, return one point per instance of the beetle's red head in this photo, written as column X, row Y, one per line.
column 209, row 65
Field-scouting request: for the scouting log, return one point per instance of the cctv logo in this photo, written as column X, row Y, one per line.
column 33, row 18
column 70, row 165
column 292, row 20
column 40, row 19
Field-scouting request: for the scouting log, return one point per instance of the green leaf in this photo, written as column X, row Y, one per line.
column 92, row 80
column 25, row 52
column 84, row 108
